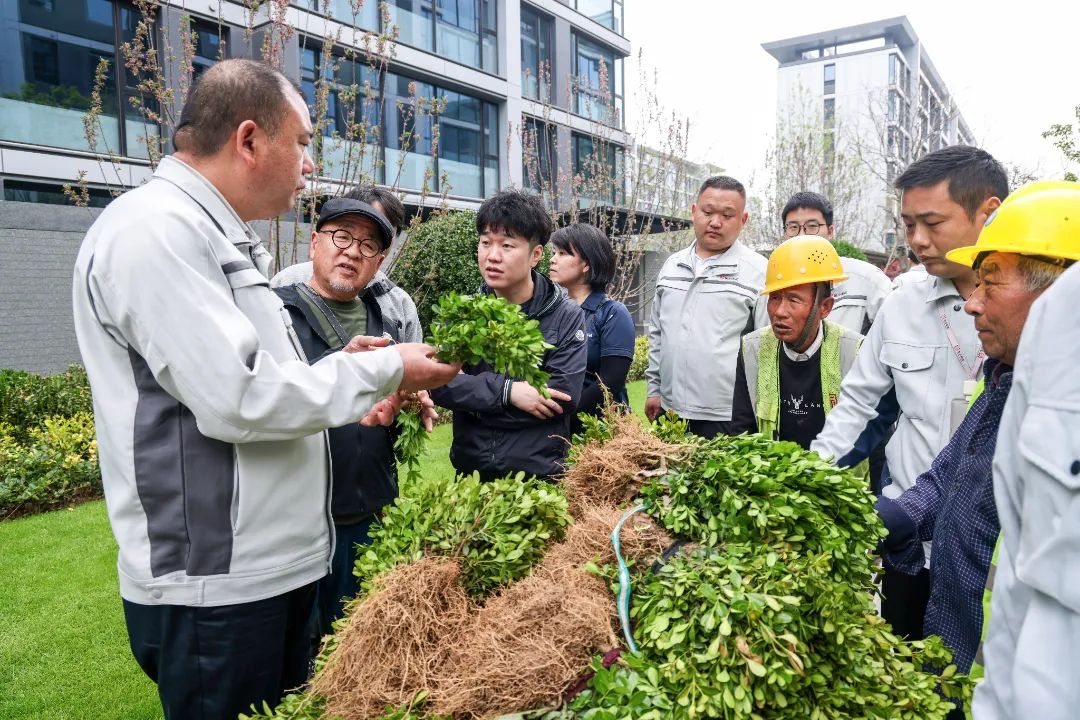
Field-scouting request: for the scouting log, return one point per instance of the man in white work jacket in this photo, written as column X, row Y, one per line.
column 922, row 349
column 209, row 420
column 707, row 297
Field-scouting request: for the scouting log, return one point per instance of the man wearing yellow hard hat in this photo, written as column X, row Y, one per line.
column 1024, row 247
column 1032, row 646
column 787, row 377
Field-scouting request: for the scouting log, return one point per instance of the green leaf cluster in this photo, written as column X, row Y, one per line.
column 848, row 250
column 484, row 328
column 750, row 488
column 770, row 615
column 499, row 530
column 410, row 441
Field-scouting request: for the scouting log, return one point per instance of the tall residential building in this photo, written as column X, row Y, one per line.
column 482, row 62
column 875, row 81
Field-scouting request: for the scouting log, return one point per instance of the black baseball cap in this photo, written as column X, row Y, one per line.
column 336, row 207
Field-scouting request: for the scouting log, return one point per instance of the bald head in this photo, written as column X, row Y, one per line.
column 229, row 93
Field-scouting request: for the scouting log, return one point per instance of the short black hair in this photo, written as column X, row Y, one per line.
column 226, row 95
column 973, row 175
column 807, row 200
column 591, row 245
column 391, row 205
column 722, row 182
column 515, row 212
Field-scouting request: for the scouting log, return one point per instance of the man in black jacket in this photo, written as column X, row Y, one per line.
column 335, row 310
column 503, row 425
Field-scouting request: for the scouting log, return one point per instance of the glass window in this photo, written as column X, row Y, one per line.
column 461, row 30
column 409, row 133
column 595, row 71
column 366, row 16
column 830, row 79
column 538, row 155
column 414, row 20
column 535, row 55
column 210, row 45
column 460, row 140
column 351, row 125
column 19, row 191
column 50, row 74
column 490, row 49
column 386, row 134
column 596, row 170
column 605, row 12
column 491, row 149
column 458, row 31
column 830, row 112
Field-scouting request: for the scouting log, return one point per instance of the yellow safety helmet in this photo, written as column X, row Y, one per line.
column 802, row 259
column 1041, row 219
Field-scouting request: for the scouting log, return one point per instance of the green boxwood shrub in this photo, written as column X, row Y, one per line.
column 27, row 399
column 640, row 363
column 48, row 454
column 55, row 466
column 846, row 249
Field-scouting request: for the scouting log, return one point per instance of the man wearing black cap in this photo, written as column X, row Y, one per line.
column 332, row 311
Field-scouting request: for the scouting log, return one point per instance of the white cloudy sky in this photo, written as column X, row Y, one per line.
column 1014, row 67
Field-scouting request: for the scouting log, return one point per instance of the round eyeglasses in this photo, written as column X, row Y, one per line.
column 810, row 227
column 344, row 239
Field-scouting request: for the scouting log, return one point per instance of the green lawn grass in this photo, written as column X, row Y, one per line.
column 63, row 645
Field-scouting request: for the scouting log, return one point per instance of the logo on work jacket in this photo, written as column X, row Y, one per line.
column 579, row 336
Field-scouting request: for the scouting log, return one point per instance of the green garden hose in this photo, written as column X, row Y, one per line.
column 623, row 602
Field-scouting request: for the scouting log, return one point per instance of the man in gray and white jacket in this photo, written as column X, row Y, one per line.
column 210, row 424
column 707, row 297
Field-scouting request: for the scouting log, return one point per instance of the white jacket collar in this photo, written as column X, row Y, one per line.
column 205, row 194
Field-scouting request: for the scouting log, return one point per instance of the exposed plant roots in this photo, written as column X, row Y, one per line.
column 394, row 640
column 610, row 473
column 529, row 643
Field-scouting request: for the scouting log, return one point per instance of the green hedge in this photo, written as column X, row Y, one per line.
column 56, row 466
column 27, row 399
column 848, row 250
column 640, row 363
column 48, row 454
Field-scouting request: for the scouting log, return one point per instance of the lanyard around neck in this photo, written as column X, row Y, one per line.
column 972, row 371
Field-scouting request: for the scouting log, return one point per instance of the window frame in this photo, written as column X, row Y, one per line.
column 545, row 30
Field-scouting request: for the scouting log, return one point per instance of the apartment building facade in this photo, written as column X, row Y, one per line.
column 475, row 65
column 877, row 82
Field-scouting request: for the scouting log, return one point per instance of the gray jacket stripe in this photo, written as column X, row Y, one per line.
column 185, row 483
column 236, row 266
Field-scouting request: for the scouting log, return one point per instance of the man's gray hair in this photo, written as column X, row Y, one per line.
column 1038, row 274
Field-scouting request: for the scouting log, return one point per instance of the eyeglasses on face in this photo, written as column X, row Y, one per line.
column 810, row 227
column 343, row 239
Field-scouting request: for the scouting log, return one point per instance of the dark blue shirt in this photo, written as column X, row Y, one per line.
column 953, row 505
column 609, row 332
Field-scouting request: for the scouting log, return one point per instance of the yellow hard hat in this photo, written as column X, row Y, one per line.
column 800, row 260
column 1041, row 218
